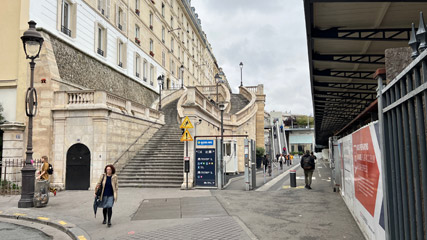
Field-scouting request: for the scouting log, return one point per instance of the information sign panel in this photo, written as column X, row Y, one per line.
column 205, row 167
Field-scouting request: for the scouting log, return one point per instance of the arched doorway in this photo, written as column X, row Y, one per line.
column 78, row 168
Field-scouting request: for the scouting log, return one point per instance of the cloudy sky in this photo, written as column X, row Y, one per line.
column 269, row 38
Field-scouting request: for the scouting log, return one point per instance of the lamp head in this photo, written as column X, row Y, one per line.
column 241, row 65
column 32, row 41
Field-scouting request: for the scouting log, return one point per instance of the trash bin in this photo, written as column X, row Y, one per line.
column 293, row 177
column 41, row 193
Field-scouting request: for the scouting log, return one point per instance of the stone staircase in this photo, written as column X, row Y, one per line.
column 159, row 164
column 238, row 102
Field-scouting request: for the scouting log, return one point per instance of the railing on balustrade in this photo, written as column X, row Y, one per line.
column 253, row 89
column 116, row 102
column 402, row 115
column 80, row 97
column 11, row 177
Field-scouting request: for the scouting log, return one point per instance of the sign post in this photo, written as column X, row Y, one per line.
column 186, row 137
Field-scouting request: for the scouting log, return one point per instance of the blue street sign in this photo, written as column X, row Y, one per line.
column 205, row 167
column 205, row 142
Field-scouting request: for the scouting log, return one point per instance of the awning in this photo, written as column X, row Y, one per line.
column 346, row 42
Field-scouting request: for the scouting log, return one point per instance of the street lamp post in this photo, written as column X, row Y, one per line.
column 241, row 74
column 217, row 80
column 182, row 76
column 32, row 41
column 160, row 79
column 221, row 165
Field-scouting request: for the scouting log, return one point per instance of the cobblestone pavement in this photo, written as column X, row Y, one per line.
column 210, row 228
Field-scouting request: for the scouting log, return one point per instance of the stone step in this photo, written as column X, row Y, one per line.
column 151, row 170
column 152, row 178
column 143, row 174
column 149, row 185
column 162, row 180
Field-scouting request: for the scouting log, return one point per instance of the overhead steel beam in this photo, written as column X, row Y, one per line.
column 345, row 90
column 368, row 75
column 388, row 34
column 345, row 84
column 351, row 58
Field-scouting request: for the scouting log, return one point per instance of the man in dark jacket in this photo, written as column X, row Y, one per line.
column 266, row 163
column 307, row 163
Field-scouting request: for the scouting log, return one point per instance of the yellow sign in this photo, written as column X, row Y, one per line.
column 186, row 137
column 186, row 124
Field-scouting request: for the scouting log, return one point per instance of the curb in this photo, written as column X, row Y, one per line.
column 71, row 230
column 275, row 180
column 231, row 180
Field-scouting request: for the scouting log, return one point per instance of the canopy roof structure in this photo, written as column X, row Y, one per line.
column 346, row 43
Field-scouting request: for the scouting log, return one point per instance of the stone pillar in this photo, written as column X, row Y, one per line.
column 260, row 101
column 13, row 140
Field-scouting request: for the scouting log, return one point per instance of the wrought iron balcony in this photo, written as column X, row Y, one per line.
column 137, row 75
column 120, row 64
column 120, row 27
column 66, row 30
column 100, row 52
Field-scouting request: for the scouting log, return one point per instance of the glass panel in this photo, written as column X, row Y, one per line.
column 32, row 48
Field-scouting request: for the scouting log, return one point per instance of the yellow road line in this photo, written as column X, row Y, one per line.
column 81, row 237
column 20, row 214
column 43, row 218
column 62, row 223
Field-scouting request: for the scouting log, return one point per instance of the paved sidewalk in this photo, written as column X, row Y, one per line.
column 198, row 208
column 238, row 182
column 279, row 212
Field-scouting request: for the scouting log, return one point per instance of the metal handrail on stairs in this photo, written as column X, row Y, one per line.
column 127, row 150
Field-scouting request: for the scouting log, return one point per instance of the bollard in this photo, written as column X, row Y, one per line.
column 293, row 177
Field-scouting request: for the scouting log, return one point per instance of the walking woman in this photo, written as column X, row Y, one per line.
column 108, row 183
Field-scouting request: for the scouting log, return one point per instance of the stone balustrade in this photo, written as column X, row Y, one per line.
column 92, row 99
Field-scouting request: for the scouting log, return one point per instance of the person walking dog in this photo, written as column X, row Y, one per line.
column 108, row 195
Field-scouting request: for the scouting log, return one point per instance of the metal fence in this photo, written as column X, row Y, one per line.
column 10, row 175
column 402, row 113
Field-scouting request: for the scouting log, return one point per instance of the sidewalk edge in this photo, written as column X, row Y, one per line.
column 245, row 228
column 74, row 232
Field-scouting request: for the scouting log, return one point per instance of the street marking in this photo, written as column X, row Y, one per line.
column 319, row 167
column 20, row 214
column 303, row 178
column 81, row 237
column 289, row 187
column 62, row 223
column 131, row 233
column 43, row 218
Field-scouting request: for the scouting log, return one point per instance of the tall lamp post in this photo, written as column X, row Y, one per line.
column 182, row 76
column 241, row 74
column 160, row 79
column 218, row 80
column 32, row 41
column 221, row 165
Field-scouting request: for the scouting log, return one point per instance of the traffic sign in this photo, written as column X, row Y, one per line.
column 186, row 137
column 186, row 124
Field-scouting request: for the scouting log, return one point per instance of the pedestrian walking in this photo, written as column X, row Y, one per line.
column 45, row 171
column 307, row 163
column 265, row 163
column 281, row 160
column 287, row 160
column 108, row 183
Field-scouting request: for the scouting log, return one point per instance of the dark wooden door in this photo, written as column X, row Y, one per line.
column 78, row 168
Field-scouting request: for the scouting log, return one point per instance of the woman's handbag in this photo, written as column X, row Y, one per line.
column 99, row 191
